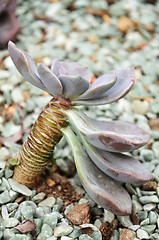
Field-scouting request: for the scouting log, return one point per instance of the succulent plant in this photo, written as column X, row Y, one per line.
column 96, row 144
column 9, row 24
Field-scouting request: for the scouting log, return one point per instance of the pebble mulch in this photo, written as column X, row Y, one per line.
column 103, row 35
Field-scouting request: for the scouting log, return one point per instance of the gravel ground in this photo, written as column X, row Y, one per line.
column 103, row 36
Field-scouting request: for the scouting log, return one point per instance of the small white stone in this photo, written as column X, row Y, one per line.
column 62, row 230
column 17, row 95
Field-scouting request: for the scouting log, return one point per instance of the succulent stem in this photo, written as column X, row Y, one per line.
column 38, row 148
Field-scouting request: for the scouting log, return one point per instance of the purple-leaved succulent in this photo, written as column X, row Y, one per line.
column 9, row 24
column 97, row 146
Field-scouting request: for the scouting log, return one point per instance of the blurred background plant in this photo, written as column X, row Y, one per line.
column 9, row 24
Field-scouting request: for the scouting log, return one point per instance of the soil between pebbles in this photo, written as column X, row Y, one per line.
column 103, row 35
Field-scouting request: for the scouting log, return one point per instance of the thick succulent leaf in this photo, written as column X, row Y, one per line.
column 118, row 166
column 83, row 71
column 25, row 65
column 104, row 190
column 70, row 65
column 57, row 68
column 116, row 136
column 125, row 80
column 99, row 86
column 49, row 79
column 73, row 85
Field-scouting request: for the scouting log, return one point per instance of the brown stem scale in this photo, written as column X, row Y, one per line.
column 38, row 148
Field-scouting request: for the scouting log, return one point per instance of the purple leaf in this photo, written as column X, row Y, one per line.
column 99, row 86
column 73, row 85
column 116, row 136
column 125, row 80
column 25, row 65
column 102, row 189
column 57, row 68
column 118, row 166
column 49, row 79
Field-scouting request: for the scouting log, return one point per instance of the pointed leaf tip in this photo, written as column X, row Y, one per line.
column 124, row 82
column 102, row 189
column 116, row 136
column 25, row 65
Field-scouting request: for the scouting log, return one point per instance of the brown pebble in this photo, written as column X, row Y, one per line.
column 79, row 214
column 106, row 230
column 114, row 224
column 126, row 234
column 19, row 199
column 87, row 231
column 149, row 186
column 135, row 219
column 154, row 123
column 124, row 24
column 50, row 182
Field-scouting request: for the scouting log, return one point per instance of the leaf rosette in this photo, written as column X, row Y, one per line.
column 98, row 146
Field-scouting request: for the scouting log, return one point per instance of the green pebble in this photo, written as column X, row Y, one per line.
column 27, row 212
column 1, row 231
column 38, row 223
column 76, row 232
column 6, row 183
column 96, row 235
column 1, row 173
column 145, row 222
column 2, row 187
column 18, row 187
column 152, row 217
column 149, row 206
column 51, row 219
column 56, row 208
column 149, row 228
column 125, row 221
column 68, row 208
column 155, row 236
column 48, row 202
column 115, row 235
column 21, row 237
column 8, row 234
column 40, row 211
column 11, row 206
column 147, row 154
column 142, row 215
column 8, row 173
column 148, row 193
column 46, row 232
column 4, row 197
column 13, row 195
column 85, row 237
column 136, row 206
column 10, row 222
column 149, row 199
column 39, row 197
column 18, row 215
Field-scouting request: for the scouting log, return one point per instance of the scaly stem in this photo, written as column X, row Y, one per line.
column 38, row 148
